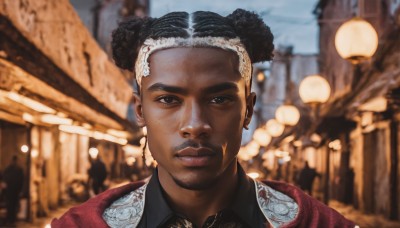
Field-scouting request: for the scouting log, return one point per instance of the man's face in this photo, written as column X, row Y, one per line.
column 193, row 104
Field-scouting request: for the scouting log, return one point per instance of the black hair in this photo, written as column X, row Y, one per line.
column 248, row 26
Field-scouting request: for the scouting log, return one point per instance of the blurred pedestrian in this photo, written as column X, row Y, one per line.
column 14, row 180
column 306, row 178
column 97, row 175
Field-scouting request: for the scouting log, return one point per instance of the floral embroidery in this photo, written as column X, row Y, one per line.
column 127, row 210
column 142, row 68
column 278, row 208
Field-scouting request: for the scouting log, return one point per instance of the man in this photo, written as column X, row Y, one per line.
column 306, row 178
column 97, row 175
column 14, row 181
column 194, row 78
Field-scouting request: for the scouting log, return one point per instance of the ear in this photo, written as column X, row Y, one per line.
column 250, row 102
column 138, row 109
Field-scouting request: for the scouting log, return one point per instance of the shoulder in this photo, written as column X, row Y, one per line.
column 126, row 211
column 312, row 213
column 89, row 214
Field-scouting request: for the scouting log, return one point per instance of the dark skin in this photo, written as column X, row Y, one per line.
column 194, row 105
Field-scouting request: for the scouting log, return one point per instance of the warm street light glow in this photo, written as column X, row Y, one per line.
column 367, row 118
column 34, row 153
column 287, row 115
column 54, row 119
column 118, row 133
column 130, row 161
column 98, row 135
column 111, row 138
column 274, row 128
column 253, row 148
column 253, row 175
column 335, row 145
column 243, row 155
column 131, row 150
column 356, row 40
column 24, row 149
column 28, row 117
column 74, row 130
column 286, row 158
column 316, row 138
column 298, row 143
column 378, row 104
column 314, row 89
column 93, row 152
column 32, row 104
column 281, row 153
column 262, row 137
column 260, row 76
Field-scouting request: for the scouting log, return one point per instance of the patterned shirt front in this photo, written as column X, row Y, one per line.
column 223, row 219
column 254, row 205
column 244, row 211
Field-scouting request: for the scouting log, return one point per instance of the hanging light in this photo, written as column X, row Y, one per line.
column 131, row 150
column 314, row 89
column 24, row 149
column 287, row 115
column 378, row 104
column 243, row 155
column 356, row 40
column 55, row 119
column 262, row 137
column 274, row 128
column 260, row 76
column 253, row 175
column 93, row 152
column 253, row 148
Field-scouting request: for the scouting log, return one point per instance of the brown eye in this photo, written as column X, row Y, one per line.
column 168, row 100
column 220, row 100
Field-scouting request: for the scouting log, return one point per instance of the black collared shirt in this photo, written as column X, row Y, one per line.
column 244, row 211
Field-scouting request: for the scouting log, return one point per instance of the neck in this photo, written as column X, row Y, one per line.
column 198, row 205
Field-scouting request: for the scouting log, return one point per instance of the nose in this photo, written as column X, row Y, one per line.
column 194, row 122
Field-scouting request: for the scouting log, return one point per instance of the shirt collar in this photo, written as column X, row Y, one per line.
column 244, row 205
column 156, row 207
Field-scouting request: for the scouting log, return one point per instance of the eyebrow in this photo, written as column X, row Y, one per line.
column 221, row 87
column 167, row 88
column 212, row 89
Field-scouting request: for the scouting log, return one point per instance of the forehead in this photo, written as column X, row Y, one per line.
column 193, row 65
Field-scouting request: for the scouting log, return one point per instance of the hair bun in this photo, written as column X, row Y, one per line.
column 126, row 41
column 254, row 34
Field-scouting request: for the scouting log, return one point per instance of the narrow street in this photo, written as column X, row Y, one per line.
column 361, row 219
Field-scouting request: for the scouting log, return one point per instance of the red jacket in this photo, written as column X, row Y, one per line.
column 312, row 213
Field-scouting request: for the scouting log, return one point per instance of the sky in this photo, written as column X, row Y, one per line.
column 291, row 21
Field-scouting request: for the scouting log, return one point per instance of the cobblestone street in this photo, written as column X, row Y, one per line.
column 363, row 220
column 44, row 222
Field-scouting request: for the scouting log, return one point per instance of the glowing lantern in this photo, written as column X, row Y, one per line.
column 274, row 128
column 356, row 40
column 287, row 115
column 262, row 137
column 24, row 149
column 314, row 89
column 253, row 148
column 93, row 152
column 243, row 155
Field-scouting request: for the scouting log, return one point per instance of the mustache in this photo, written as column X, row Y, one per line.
column 194, row 144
